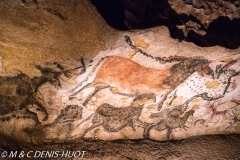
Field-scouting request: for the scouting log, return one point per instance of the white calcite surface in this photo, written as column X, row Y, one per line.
column 144, row 85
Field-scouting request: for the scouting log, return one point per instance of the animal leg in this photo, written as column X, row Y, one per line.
column 75, row 93
column 139, row 124
column 109, row 129
column 95, row 133
column 168, row 132
column 174, row 97
column 78, row 88
column 235, row 120
column 161, row 103
column 95, row 92
column 132, row 125
column 146, row 132
column 90, row 128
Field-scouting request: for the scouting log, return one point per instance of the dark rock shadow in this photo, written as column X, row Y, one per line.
column 200, row 147
column 143, row 14
column 112, row 11
column 140, row 14
column 221, row 31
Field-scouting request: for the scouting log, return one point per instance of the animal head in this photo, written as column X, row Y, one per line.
column 225, row 75
column 207, row 87
column 143, row 99
column 191, row 112
column 224, row 80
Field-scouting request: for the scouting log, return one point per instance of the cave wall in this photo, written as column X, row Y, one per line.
column 36, row 33
column 67, row 76
column 130, row 91
column 201, row 22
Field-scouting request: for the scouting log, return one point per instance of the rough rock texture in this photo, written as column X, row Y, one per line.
column 210, row 22
column 140, row 85
column 209, row 10
column 129, row 91
column 47, row 31
column 200, row 21
column 203, row 147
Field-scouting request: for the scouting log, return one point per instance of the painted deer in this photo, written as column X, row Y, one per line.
column 207, row 87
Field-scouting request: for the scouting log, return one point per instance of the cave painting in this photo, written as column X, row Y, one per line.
column 119, row 98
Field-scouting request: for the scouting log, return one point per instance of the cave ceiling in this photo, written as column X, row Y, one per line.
column 206, row 23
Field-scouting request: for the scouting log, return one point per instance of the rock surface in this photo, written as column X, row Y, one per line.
column 139, row 85
column 198, row 21
column 121, row 94
column 34, row 34
column 201, row 147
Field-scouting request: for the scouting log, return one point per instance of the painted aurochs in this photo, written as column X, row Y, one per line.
column 134, row 94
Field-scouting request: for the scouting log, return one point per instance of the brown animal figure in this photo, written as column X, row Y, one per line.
column 126, row 73
column 20, row 114
column 69, row 114
column 122, row 74
column 63, row 124
column 113, row 119
column 172, row 121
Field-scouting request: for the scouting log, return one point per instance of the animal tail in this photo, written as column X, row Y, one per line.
column 160, row 59
column 201, row 121
column 79, row 87
column 146, row 133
